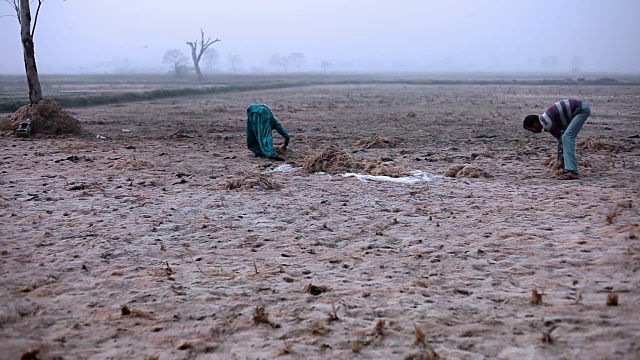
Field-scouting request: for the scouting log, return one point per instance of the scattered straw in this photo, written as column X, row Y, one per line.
column 536, row 297
column 378, row 330
column 261, row 316
column 599, row 146
column 420, row 337
column 319, row 328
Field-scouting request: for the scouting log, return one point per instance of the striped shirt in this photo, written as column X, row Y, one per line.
column 559, row 115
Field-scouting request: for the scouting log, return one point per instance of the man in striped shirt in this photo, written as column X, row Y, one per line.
column 563, row 120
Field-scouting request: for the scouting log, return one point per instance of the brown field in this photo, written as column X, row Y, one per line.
column 131, row 246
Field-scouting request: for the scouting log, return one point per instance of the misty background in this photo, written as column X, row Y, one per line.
column 124, row 36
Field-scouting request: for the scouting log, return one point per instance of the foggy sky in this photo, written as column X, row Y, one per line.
column 354, row 35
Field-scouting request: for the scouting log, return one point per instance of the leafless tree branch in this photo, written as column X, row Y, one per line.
column 205, row 45
column 16, row 8
column 35, row 21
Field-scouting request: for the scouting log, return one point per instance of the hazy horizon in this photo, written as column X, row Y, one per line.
column 115, row 36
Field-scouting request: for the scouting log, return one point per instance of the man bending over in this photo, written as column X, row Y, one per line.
column 563, row 120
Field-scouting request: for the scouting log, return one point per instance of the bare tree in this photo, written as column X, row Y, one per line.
column 576, row 64
column 177, row 60
column 196, row 53
column 275, row 61
column 325, row 65
column 549, row 62
column 23, row 13
column 235, row 62
column 297, row 59
column 286, row 62
column 211, row 58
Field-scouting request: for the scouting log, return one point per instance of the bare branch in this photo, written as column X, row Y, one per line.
column 205, row 47
column 15, row 7
column 35, row 21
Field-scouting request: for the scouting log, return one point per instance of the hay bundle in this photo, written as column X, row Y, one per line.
column 250, row 180
column 376, row 142
column 594, row 145
column 333, row 161
column 553, row 164
column 467, row 171
column 453, row 170
column 384, row 168
column 129, row 164
column 337, row 161
column 47, row 118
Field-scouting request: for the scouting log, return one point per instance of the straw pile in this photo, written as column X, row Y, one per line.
column 338, row 161
column 552, row 163
column 376, row 142
column 250, row 180
column 333, row 161
column 129, row 164
column 47, row 118
column 467, row 171
column 384, row 168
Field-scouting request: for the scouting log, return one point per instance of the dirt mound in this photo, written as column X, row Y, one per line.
column 465, row 171
column 129, row 164
column 47, row 118
column 376, row 142
column 600, row 146
column 250, row 180
column 336, row 161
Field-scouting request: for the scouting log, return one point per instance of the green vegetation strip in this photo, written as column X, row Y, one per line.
column 11, row 105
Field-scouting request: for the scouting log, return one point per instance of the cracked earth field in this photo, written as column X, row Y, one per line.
column 130, row 247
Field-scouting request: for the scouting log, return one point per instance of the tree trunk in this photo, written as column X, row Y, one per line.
column 196, row 63
column 35, row 91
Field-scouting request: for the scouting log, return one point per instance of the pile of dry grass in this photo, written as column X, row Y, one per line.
column 129, row 164
column 554, row 165
column 599, row 146
column 336, row 161
column 376, row 142
column 467, row 171
column 5, row 125
column 47, row 118
column 550, row 162
column 582, row 163
column 384, row 168
column 333, row 161
column 250, row 180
